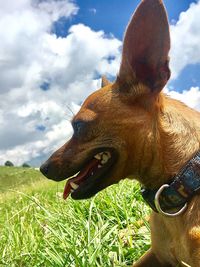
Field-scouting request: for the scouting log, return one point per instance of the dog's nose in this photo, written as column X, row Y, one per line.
column 49, row 170
column 44, row 168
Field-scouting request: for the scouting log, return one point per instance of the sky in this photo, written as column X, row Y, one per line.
column 52, row 55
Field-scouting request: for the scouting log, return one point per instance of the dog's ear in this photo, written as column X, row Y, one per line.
column 146, row 47
column 104, row 81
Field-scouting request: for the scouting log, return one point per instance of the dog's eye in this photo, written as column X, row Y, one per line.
column 78, row 127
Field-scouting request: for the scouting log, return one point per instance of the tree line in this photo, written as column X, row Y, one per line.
column 10, row 164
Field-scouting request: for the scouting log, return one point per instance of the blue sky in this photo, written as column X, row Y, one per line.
column 112, row 16
column 52, row 55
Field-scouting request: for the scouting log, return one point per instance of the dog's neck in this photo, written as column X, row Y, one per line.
column 177, row 140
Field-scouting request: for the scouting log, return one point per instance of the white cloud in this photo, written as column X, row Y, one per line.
column 93, row 10
column 23, row 32
column 47, row 143
column 185, row 36
column 190, row 97
column 56, row 9
column 31, row 55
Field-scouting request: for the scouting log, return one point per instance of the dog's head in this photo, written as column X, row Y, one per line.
column 114, row 131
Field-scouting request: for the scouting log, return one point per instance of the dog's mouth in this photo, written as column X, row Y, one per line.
column 92, row 177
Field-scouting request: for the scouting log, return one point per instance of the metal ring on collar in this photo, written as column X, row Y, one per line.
column 158, row 207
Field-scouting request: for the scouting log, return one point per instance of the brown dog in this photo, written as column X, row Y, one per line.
column 130, row 129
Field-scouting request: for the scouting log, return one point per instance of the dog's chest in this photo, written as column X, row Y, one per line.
column 168, row 239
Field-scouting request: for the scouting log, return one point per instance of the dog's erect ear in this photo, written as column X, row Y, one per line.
column 146, row 47
column 104, row 81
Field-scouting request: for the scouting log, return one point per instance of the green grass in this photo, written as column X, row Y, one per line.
column 39, row 228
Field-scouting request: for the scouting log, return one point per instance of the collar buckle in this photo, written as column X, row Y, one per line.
column 158, row 206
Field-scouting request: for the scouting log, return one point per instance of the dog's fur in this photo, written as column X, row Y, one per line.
column 151, row 136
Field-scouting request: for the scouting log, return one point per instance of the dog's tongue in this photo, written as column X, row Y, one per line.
column 80, row 177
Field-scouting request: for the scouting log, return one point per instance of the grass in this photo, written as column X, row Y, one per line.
column 39, row 228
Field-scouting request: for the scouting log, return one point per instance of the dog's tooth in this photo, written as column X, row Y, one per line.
column 72, row 190
column 92, row 173
column 105, row 158
column 103, row 161
column 108, row 154
column 99, row 166
column 74, row 186
column 97, row 156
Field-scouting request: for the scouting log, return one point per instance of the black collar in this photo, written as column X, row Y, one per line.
column 176, row 194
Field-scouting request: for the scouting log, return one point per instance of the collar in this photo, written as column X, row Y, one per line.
column 175, row 195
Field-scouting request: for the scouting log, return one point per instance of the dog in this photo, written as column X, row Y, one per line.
column 131, row 129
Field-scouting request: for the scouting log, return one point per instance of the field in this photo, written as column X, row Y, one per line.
column 39, row 228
